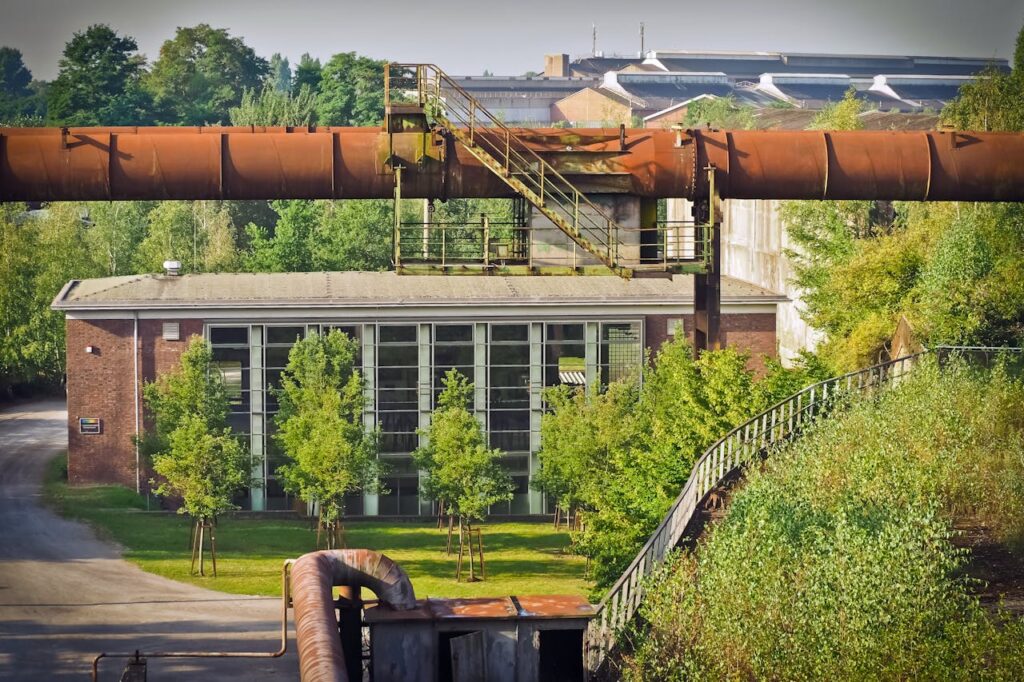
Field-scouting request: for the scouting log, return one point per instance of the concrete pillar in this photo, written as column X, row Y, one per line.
column 536, row 407
column 257, row 415
column 425, row 396
column 551, row 248
column 370, row 500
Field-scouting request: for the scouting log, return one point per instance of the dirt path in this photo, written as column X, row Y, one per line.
column 66, row 596
column 1000, row 572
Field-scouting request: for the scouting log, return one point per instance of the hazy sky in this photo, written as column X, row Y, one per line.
column 512, row 36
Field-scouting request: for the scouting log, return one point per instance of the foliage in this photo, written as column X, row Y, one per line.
column 320, row 425
column 808, row 547
column 307, row 74
column 351, row 91
column 720, row 112
column 275, row 107
column 192, row 448
column 199, row 234
column 462, row 472
column 621, row 455
column 17, row 99
column 38, row 255
column 201, row 73
column 99, row 82
column 280, row 76
column 841, row 115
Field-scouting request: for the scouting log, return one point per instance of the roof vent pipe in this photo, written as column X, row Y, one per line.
column 172, row 268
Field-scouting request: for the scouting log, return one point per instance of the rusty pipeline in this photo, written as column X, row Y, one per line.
column 65, row 164
column 281, row 651
column 313, row 578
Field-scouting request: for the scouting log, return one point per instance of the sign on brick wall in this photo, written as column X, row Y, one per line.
column 90, row 425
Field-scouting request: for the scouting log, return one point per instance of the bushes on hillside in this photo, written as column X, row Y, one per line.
column 835, row 560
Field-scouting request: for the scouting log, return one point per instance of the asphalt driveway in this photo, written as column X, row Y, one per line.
column 65, row 595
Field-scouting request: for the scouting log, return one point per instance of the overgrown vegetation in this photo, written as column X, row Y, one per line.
column 954, row 270
column 834, row 560
column 621, row 455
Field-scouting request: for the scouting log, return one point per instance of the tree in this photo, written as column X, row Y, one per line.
column 463, row 474
column 99, row 82
column 280, row 77
column 351, row 91
column 116, row 230
column 273, row 107
column 201, row 73
column 192, row 448
column 199, row 234
column 307, row 74
column 15, row 94
column 320, row 428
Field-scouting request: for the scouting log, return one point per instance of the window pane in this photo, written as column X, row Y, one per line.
column 510, row 332
column 284, row 334
column 565, row 332
column 398, row 334
column 453, row 333
column 398, row 356
column 621, row 354
column 277, row 357
column 229, row 335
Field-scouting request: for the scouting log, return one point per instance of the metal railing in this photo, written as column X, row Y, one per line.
column 496, row 146
column 730, row 453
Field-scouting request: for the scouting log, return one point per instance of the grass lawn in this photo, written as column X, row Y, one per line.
column 522, row 558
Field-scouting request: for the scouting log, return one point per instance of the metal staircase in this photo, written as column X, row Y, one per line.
column 429, row 89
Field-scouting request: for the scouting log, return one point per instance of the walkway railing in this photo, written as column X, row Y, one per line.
column 743, row 444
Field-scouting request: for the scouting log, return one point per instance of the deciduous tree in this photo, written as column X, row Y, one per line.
column 320, row 428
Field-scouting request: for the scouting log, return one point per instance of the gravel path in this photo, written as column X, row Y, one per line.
column 65, row 595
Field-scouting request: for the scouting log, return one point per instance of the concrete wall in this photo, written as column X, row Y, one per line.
column 753, row 250
column 552, row 247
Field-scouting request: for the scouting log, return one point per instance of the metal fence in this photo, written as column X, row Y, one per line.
column 740, row 446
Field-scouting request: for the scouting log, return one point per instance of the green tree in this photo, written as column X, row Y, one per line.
column 280, row 77
column 193, row 451
column 116, row 229
column 351, row 91
column 201, row 73
column 99, row 82
column 18, row 266
column 200, row 234
column 320, row 428
column 16, row 97
column 273, row 107
column 462, row 472
column 307, row 74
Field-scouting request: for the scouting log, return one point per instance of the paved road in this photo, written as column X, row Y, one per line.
column 66, row 596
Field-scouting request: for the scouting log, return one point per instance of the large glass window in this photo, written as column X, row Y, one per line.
column 401, row 488
column 453, row 349
column 621, row 351
column 397, row 382
column 565, row 353
column 508, row 404
column 279, row 342
column 230, row 347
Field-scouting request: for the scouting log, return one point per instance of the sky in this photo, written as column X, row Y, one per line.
column 511, row 37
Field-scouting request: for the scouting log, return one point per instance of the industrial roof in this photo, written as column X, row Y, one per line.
column 800, row 119
column 325, row 289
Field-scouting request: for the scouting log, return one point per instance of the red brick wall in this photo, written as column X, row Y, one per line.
column 101, row 384
column 750, row 332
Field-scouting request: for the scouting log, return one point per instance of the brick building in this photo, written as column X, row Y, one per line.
column 511, row 336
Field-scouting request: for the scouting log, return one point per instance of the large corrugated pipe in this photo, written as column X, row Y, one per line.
column 313, row 578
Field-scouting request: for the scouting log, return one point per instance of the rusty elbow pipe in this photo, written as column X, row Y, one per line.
column 316, row 626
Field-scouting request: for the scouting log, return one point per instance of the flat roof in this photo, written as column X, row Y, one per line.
column 330, row 289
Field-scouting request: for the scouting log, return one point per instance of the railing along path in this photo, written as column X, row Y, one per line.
column 743, row 444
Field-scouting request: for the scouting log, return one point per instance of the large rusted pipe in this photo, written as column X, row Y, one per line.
column 313, row 576
column 53, row 164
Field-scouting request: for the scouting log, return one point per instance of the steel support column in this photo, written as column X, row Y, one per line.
column 707, row 286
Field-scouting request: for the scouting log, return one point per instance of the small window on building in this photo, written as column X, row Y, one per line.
column 672, row 324
column 172, row 331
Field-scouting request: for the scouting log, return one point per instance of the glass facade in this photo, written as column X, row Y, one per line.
column 403, row 366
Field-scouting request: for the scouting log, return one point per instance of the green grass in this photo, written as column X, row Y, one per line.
column 521, row 558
